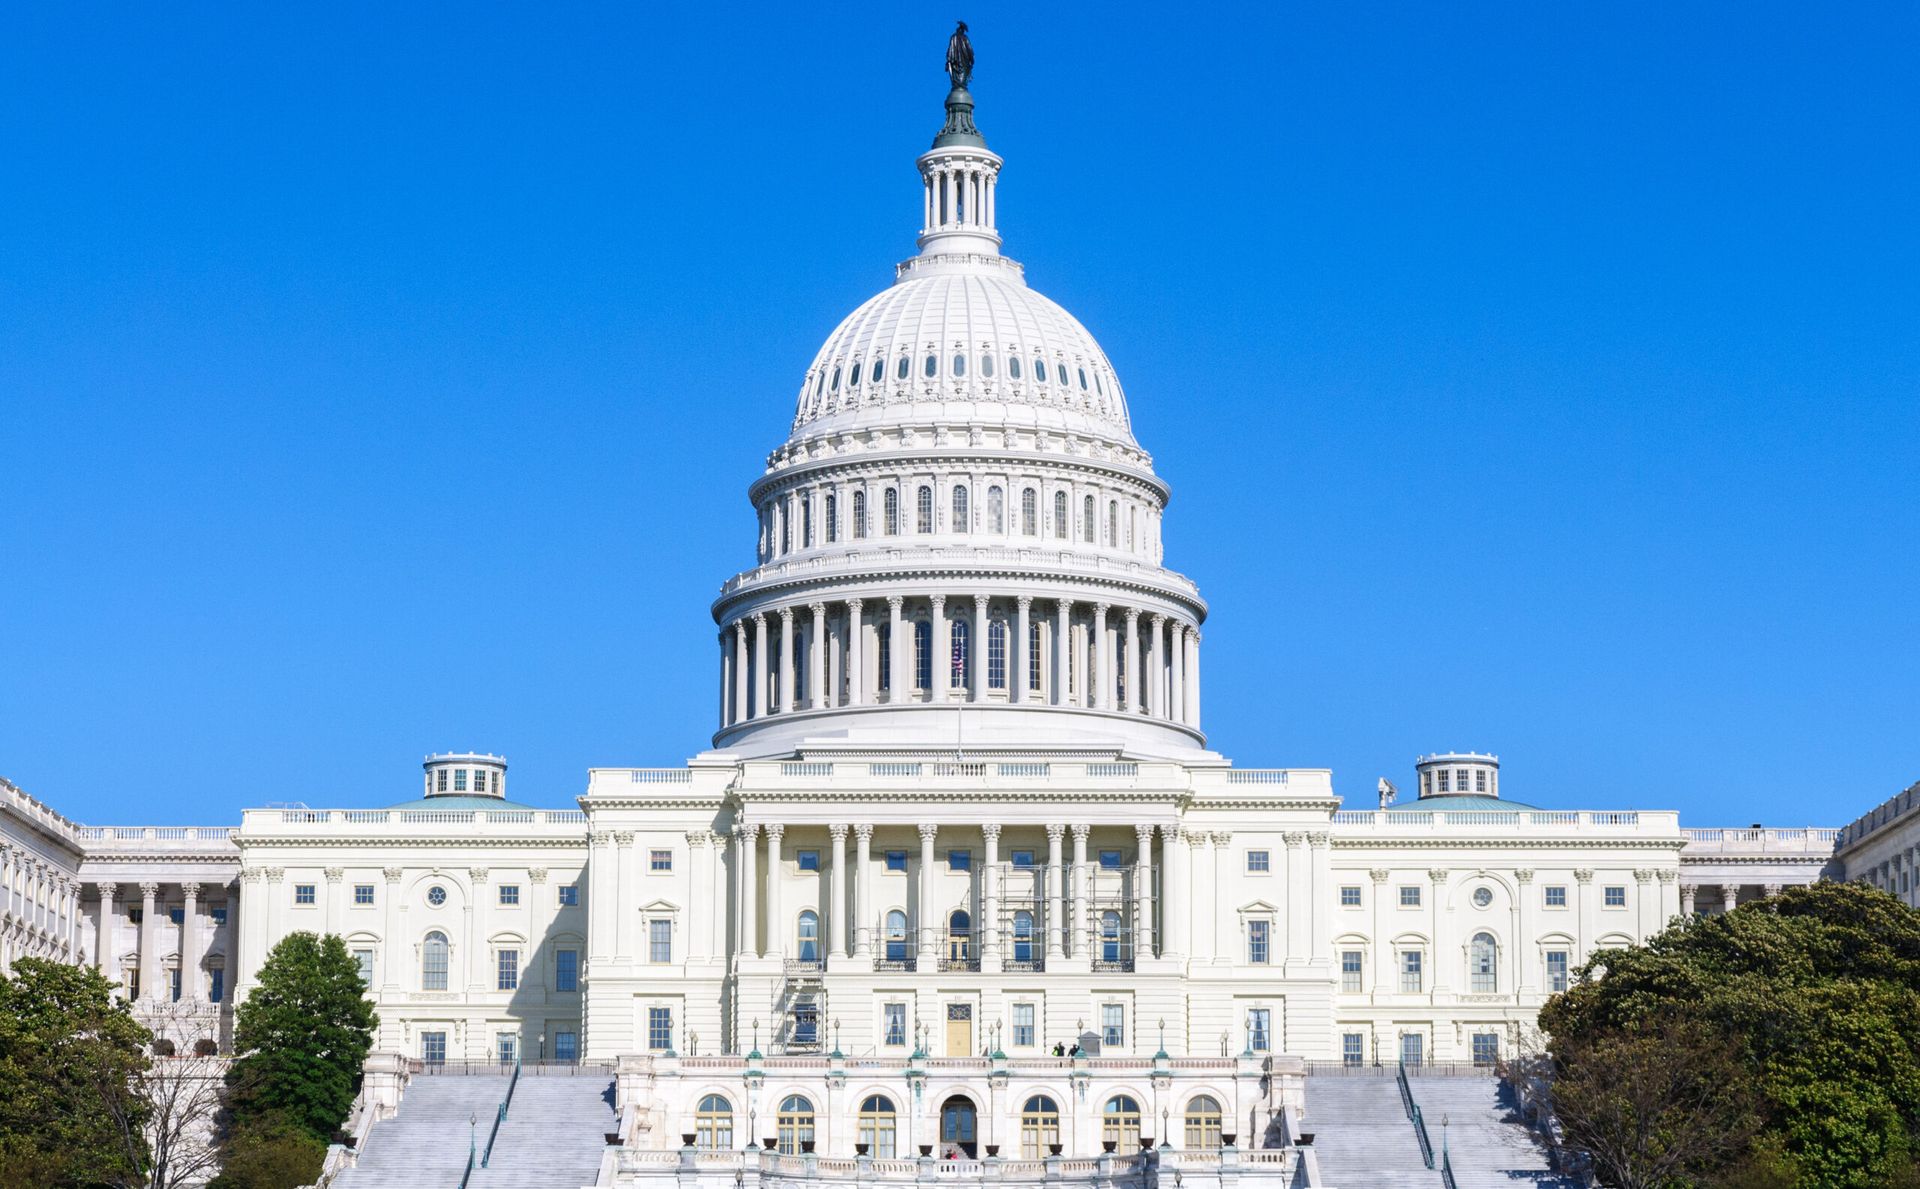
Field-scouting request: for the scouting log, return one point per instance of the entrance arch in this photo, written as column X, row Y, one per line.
column 959, row 1127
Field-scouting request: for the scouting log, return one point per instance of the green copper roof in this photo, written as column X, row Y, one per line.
column 458, row 804
column 1458, row 803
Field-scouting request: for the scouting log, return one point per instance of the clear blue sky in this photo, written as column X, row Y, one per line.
column 379, row 379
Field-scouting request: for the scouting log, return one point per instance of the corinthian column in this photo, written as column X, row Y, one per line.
column 863, row 890
column 762, row 684
column 1157, row 667
column 927, row 915
column 1102, row 659
column 1135, row 679
column 1062, row 621
column 105, row 941
column 742, row 683
column 942, row 665
column 784, row 700
column 981, row 651
column 816, row 657
column 1022, row 662
column 149, row 943
column 190, row 942
column 837, row 893
column 897, row 647
column 856, row 656
column 1056, row 894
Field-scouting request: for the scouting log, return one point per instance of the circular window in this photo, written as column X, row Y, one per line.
column 1482, row 897
column 436, row 895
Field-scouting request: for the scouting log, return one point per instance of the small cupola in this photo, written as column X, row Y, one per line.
column 1453, row 773
column 466, row 774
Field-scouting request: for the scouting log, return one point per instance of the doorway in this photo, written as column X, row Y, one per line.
column 958, row 1127
column 959, row 1029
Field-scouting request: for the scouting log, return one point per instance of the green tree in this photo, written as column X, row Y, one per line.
column 268, row 1153
column 72, row 1059
column 301, row 1037
column 1814, row 998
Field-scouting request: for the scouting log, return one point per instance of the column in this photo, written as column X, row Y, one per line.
column 1729, row 896
column 1062, row 619
column 1175, row 900
column 1686, row 900
column 1103, row 659
column 391, row 943
column 837, row 885
column 190, row 942
column 863, row 890
column 856, row 656
column 942, row 665
column 746, row 839
column 989, row 929
column 1136, row 680
column 1079, row 893
column 600, row 898
column 1056, row 893
column 762, row 698
column 1669, row 897
column 1177, row 682
column 1084, row 693
column 784, row 700
column 1193, row 677
column 1383, row 973
column 1445, row 958
column 626, row 897
column 149, row 937
column 977, row 663
column 331, row 909
column 105, row 940
column 1225, row 927
column 925, row 916
column 777, row 924
column 1525, row 965
column 1157, row 667
column 726, row 681
column 742, row 681
column 816, row 657
column 1022, row 660
column 1143, row 942
column 897, row 648
column 699, row 876
column 1299, row 898
column 1583, row 913
column 479, row 977
column 1646, row 911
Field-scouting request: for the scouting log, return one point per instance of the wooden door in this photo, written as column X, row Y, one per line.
column 959, row 1029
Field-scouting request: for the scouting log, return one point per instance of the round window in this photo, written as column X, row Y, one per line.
column 1482, row 897
column 436, row 895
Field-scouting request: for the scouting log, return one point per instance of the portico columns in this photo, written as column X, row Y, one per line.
column 149, row 939
column 856, row 656
column 1177, row 710
column 1193, row 677
column 837, row 889
column 816, row 657
column 990, row 898
column 190, row 942
column 1022, row 663
column 776, row 915
column 1056, row 894
column 762, row 682
column 942, row 665
column 104, row 943
column 390, row 963
column 1062, row 669
column 1174, row 893
column 1102, row 659
column 925, row 914
column 783, row 699
column 1686, row 900
column 979, row 650
column 1080, row 892
column 1729, row 897
column 897, row 651
column 746, row 838
column 1157, row 667
column 863, row 891
column 741, row 682
column 1142, row 891
column 1135, row 679
column 1298, row 893
column 1526, row 968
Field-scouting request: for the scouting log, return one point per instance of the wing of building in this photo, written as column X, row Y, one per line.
column 960, row 864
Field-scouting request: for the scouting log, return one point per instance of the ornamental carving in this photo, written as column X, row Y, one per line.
column 1523, row 875
column 1584, row 875
column 335, row 874
column 1668, row 876
column 536, row 875
column 393, row 874
column 1438, row 874
column 1379, row 874
column 478, row 875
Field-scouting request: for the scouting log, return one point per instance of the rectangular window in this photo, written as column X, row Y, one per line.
column 659, row 860
column 509, row 894
column 1413, row 1048
column 1410, row 970
column 569, row 895
column 1023, row 1025
column 1110, row 860
column 566, row 1046
column 659, row 1028
column 1410, row 896
column 508, row 974
column 1486, row 1048
column 660, row 941
column 220, row 915
column 1350, row 895
column 1443, row 782
column 506, row 1046
column 566, row 970
column 1033, row 655
column 1352, row 973
column 807, row 860
column 1113, row 1025
column 1616, row 896
column 364, row 959
column 896, row 860
column 173, row 984
column 1257, row 932
column 177, row 915
column 894, row 1016
column 216, row 985
column 1556, row 895
column 1259, row 862
column 1260, row 1029
column 1022, row 860
column 1480, row 780
column 363, row 893
column 1353, row 1048
column 303, row 893
column 433, row 1048
column 1557, row 980
column 136, row 915
column 440, row 786
column 459, row 780
column 959, row 860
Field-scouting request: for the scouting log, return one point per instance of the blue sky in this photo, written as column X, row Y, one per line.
column 382, row 379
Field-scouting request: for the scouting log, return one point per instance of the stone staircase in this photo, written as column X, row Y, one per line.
column 424, row 1146
column 554, row 1134
column 1489, row 1143
column 1361, row 1134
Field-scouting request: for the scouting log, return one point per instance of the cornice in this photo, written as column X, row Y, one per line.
column 883, row 461
column 877, row 582
column 1555, row 842
column 337, row 842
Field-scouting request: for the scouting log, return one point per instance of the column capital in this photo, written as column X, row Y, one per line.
column 894, row 602
column 740, row 630
column 774, row 831
column 1222, row 839
column 1772, row 889
column 990, row 830
column 1294, row 837
column 837, row 831
column 247, row 875
column 1523, row 875
column 1144, row 832
column 863, row 832
column 1667, row 876
column 1379, row 874
column 149, row 889
column 623, row 837
column 1583, row 875
column 335, row 874
column 939, row 601
column 109, row 889
column 855, row 605
column 1055, row 831
column 1023, row 601
column 759, row 619
column 1319, row 839
column 1133, row 616
column 600, row 837
column 1159, row 620
column 699, row 838
column 786, row 616
column 479, row 875
column 1438, row 874
column 1100, row 610
column 1080, row 831
column 928, row 830
column 1195, row 633
column 817, row 607
column 536, row 875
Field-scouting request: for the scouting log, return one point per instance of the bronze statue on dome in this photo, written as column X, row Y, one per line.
column 959, row 57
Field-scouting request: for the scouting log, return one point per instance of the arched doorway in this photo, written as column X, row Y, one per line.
column 959, row 1127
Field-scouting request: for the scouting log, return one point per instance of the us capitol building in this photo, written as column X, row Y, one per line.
column 961, row 865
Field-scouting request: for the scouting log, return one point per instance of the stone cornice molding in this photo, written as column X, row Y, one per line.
column 1441, row 842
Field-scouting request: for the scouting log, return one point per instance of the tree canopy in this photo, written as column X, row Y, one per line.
column 301, row 1037
column 1795, row 1023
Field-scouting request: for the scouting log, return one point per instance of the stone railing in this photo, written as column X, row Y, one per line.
column 723, row 1169
column 17, row 802
column 1422, row 820
column 254, row 820
column 98, row 837
column 1807, row 841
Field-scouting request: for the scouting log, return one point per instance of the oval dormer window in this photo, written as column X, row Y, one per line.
column 835, row 386
column 1083, row 379
column 933, row 366
column 904, row 367
column 1040, row 370
column 1013, row 367
column 959, row 365
column 986, row 366
column 853, row 379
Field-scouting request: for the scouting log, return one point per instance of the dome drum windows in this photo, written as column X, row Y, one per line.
column 962, row 514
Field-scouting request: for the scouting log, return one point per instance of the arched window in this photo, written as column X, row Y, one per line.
column 904, row 369
column 961, row 520
column 986, row 365
column 876, row 1126
column 1023, row 936
column 892, row 508
column 997, row 654
column 806, row 522
column 923, row 507
column 922, row 655
column 859, row 515
column 1113, row 523
column 996, row 511
column 713, row 1124
column 959, row 936
column 1039, row 1127
column 933, row 366
column 1120, row 1123
column 809, row 936
column 1040, row 369
column 884, row 660
column 853, row 381
column 833, row 518
column 1060, row 515
column 1029, row 512
column 959, row 364
column 1203, row 1122
column 433, row 962
column 1033, row 655
column 1110, row 942
column 1483, row 964
column 835, row 385
column 958, row 679
column 1083, row 379
column 1087, row 520
column 794, row 1124
column 1013, row 367
column 896, row 935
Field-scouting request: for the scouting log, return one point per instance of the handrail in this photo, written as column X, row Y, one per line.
column 470, row 1155
column 500, row 1116
column 1413, row 1113
column 1446, row 1171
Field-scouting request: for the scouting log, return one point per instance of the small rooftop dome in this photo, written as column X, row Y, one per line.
column 466, row 774
column 1455, row 772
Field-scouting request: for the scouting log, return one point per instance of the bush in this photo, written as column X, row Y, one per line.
column 270, row 1154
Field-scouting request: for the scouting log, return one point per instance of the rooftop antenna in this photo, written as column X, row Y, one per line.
column 1387, row 792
